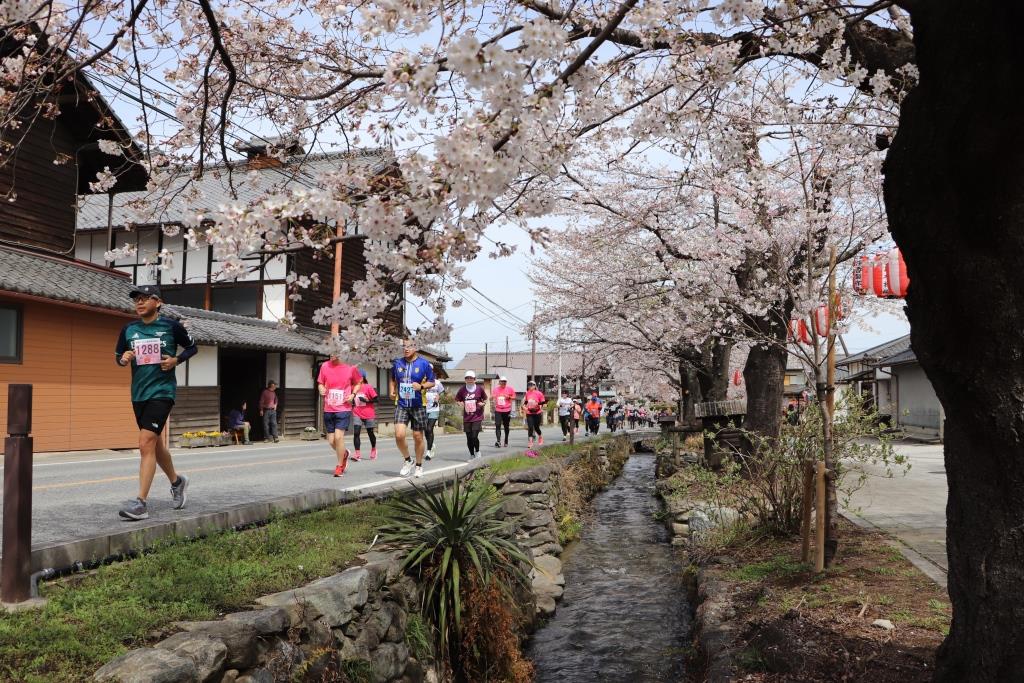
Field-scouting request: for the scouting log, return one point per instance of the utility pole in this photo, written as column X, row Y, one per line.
column 338, row 257
column 533, row 346
column 559, row 342
column 486, row 365
column 506, row 350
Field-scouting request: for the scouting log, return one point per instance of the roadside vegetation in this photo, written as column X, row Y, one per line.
column 95, row 616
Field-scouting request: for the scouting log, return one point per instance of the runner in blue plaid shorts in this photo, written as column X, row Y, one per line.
column 411, row 376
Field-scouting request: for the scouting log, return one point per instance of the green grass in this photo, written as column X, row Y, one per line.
column 781, row 565
column 93, row 618
column 546, row 454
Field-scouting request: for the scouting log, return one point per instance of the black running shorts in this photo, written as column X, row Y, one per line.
column 152, row 414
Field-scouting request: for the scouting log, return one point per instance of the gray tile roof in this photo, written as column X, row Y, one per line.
column 215, row 190
column 223, row 329
column 51, row 277
column 901, row 358
column 875, row 353
column 547, row 362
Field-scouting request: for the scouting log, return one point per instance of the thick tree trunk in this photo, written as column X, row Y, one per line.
column 954, row 193
column 714, row 373
column 764, row 374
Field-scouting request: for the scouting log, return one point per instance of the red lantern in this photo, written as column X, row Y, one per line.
column 798, row 331
column 897, row 274
column 737, row 378
column 879, row 285
column 862, row 276
column 820, row 321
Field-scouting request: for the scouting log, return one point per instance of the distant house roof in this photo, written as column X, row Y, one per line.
column 547, row 362
column 901, row 358
column 876, row 353
column 66, row 280
column 251, row 183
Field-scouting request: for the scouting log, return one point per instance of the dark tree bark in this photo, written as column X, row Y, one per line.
column 714, row 370
column 954, row 192
column 764, row 374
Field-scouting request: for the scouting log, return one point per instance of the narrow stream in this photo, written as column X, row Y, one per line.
column 623, row 616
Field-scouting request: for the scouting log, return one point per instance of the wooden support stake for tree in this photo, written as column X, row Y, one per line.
column 820, row 504
column 806, row 507
column 16, row 566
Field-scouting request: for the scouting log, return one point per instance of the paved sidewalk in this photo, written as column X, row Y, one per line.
column 910, row 508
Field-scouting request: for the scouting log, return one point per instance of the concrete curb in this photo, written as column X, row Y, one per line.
column 929, row 568
column 102, row 548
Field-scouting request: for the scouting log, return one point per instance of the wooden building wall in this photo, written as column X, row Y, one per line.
column 353, row 269
column 43, row 213
column 196, row 409
column 298, row 410
column 81, row 398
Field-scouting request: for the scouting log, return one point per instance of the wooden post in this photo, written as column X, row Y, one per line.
column 819, row 539
column 16, row 567
column 806, row 506
column 338, row 262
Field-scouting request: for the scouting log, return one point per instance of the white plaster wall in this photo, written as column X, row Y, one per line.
column 299, row 371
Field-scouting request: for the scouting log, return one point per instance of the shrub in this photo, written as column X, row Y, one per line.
column 767, row 485
column 454, row 541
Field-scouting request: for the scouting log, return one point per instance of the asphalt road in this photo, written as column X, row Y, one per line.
column 912, row 508
column 78, row 495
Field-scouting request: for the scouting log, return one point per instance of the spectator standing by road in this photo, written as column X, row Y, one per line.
column 473, row 400
column 149, row 345
column 336, row 382
column 411, row 377
column 268, row 411
column 504, row 399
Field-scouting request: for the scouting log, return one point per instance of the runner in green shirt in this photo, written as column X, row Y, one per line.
column 150, row 346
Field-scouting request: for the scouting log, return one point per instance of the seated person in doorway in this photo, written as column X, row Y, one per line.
column 236, row 421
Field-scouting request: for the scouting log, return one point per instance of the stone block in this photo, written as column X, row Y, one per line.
column 534, row 487
column 389, row 661
column 545, row 605
column 148, row 665
column 514, row 505
column 334, row 599
column 240, row 639
column 539, row 538
column 680, row 529
column 536, row 518
column 207, row 653
column 230, row 676
column 547, row 565
column 257, row 676
column 533, row 474
column 548, row 549
column 265, row 621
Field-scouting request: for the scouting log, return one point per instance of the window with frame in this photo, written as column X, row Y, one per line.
column 11, row 332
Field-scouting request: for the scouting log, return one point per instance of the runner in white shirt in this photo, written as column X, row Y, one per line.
column 565, row 414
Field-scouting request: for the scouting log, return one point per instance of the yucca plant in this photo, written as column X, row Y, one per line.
column 447, row 534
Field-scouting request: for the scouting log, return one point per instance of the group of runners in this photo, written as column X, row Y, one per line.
column 149, row 345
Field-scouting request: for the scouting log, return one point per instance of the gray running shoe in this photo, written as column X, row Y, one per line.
column 135, row 510
column 179, row 492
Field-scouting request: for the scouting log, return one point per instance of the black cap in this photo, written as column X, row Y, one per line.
column 145, row 290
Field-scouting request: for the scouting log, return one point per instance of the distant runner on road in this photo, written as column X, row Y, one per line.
column 364, row 414
column 565, row 407
column 433, row 415
column 593, row 410
column 533, row 406
column 504, row 399
column 150, row 346
column 473, row 400
column 411, row 376
column 336, row 383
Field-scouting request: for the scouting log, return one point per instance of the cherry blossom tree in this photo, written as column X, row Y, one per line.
column 485, row 103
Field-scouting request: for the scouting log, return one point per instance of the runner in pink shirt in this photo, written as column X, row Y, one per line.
column 364, row 411
column 533, row 406
column 504, row 399
column 335, row 383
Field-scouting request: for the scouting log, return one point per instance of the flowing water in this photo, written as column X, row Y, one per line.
column 624, row 615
